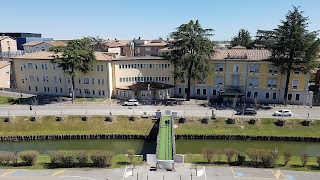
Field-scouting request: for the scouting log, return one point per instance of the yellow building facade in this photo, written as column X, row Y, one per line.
column 246, row 74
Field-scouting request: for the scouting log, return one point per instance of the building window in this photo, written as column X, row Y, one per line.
column 102, row 92
column 297, row 97
column 296, row 70
column 56, row 88
column 218, row 80
column 36, row 88
column 204, row 92
column 219, row 67
column 80, row 92
column 198, row 91
column 295, row 83
column 20, row 68
column 99, row 92
column 267, row 95
column 44, row 78
column 92, row 80
column 45, row 89
column 47, row 78
column 54, row 66
column 61, row 90
column 29, row 88
column 254, row 68
column 69, row 80
column 42, row 66
column 31, row 77
column 274, row 95
column 60, row 79
column 85, row 80
column 93, row 92
column 98, row 68
column 248, row 94
column 30, row 65
column 46, row 66
column 289, row 96
column 253, row 82
column 273, row 69
column 86, row 91
column 214, row 92
column 55, row 79
column 147, row 49
column 48, row 89
column 236, row 68
column 201, row 80
column 255, row 94
column 79, row 80
column 101, row 68
column 102, row 81
column 179, row 90
column 272, row 83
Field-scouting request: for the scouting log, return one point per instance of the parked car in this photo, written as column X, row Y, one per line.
column 282, row 112
column 131, row 102
column 247, row 111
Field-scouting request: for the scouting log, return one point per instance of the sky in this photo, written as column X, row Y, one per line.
column 148, row 19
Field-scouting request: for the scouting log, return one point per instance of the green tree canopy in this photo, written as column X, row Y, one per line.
column 190, row 52
column 76, row 57
column 243, row 39
column 292, row 46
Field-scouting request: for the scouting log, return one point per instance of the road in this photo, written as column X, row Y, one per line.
column 299, row 112
column 182, row 171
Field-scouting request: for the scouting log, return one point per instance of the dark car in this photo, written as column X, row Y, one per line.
column 247, row 111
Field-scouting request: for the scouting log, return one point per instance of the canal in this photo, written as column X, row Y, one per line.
column 120, row 146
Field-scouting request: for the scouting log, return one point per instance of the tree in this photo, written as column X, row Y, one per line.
column 243, row 39
column 76, row 57
column 190, row 52
column 98, row 44
column 208, row 153
column 292, row 45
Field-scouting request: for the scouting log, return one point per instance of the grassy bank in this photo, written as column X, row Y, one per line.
column 11, row 100
column 47, row 125
column 293, row 164
column 265, row 127
column 43, row 162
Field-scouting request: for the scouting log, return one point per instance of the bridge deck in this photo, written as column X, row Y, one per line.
column 165, row 147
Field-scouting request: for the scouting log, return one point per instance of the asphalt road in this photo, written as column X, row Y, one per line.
column 67, row 108
column 181, row 172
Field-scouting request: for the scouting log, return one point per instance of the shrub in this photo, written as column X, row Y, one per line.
column 304, row 159
column 241, row 158
column 318, row 160
column 286, row 158
column 101, row 158
column 131, row 154
column 82, row 158
column 62, row 158
column 230, row 153
column 6, row 158
column 67, row 158
column 29, row 157
column 253, row 155
column 268, row 158
column 208, row 153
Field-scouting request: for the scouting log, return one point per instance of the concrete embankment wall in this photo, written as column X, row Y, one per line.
column 127, row 136
column 87, row 136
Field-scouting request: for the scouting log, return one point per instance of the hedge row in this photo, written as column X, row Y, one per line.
column 252, row 157
column 28, row 158
column 99, row 158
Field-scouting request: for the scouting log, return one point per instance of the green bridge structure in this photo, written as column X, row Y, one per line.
column 166, row 148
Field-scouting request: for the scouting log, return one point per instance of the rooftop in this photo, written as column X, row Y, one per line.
column 243, row 54
column 44, row 55
column 4, row 64
column 53, row 43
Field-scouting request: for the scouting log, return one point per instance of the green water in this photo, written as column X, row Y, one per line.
column 120, row 146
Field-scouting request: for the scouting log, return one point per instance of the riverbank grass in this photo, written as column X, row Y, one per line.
column 47, row 125
column 265, row 127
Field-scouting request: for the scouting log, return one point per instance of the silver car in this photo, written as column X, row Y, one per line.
column 282, row 112
column 131, row 102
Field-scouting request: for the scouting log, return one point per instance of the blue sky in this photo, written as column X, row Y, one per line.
column 148, row 19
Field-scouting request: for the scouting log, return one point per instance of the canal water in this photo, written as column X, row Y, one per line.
column 120, row 146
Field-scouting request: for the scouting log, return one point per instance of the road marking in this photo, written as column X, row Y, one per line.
column 278, row 174
column 232, row 171
column 78, row 177
column 58, row 172
column 7, row 173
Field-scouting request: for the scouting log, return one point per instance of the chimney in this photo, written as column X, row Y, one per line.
column 139, row 38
